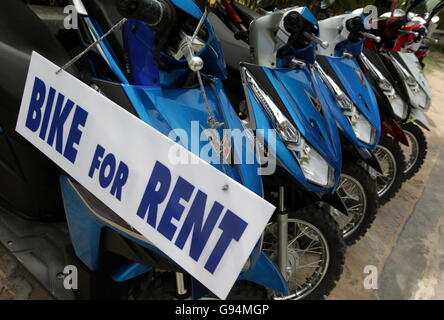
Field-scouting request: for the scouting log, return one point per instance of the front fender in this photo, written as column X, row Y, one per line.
column 369, row 158
column 390, row 127
column 265, row 273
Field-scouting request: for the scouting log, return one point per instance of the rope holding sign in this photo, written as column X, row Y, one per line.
column 95, row 43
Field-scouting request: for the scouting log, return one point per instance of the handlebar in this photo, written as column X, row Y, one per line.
column 296, row 25
column 158, row 14
column 416, row 34
column 150, row 11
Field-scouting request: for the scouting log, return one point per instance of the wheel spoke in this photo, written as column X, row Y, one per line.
column 298, row 236
column 310, row 265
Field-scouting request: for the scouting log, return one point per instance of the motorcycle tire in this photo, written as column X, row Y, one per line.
column 327, row 229
column 416, row 137
column 358, row 191
column 396, row 159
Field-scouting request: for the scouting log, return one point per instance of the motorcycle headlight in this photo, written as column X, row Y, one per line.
column 422, row 97
column 283, row 126
column 345, row 102
column 411, row 81
column 363, row 129
column 418, row 91
column 314, row 167
column 398, row 105
column 385, row 85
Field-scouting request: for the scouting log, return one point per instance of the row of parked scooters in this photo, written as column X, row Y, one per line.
column 335, row 104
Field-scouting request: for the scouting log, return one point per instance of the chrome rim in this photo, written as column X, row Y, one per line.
column 411, row 152
column 353, row 196
column 389, row 169
column 308, row 257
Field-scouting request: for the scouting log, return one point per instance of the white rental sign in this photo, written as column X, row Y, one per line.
column 180, row 208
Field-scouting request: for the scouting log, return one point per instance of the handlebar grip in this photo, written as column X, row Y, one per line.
column 149, row 11
column 416, row 34
column 323, row 44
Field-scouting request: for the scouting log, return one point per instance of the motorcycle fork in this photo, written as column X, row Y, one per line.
column 282, row 219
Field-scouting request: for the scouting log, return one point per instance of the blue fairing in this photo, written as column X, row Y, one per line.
column 318, row 128
column 184, row 111
column 308, row 15
column 355, row 48
column 86, row 227
column 287, row 53
column 138, row 42
column 141, row 58
column 360, row 92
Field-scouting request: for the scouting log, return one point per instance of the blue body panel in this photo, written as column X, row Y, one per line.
column 360, row 92
column 128, row 270
column 357, row 88
column 308, row 15
column 318, row 127
column 300, row 94
column 142, row 58
column 85, row 229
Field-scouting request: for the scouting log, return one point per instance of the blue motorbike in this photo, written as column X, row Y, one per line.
column 357, row 115
column 165, row 67
column 282, row 93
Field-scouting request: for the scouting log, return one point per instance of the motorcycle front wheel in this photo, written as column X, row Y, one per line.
column 416, row 152
column 392, row 161
column 358, row 192
column 316, row 253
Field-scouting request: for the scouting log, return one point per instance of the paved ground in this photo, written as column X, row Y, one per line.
column 15, row 282
column 405, row 244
